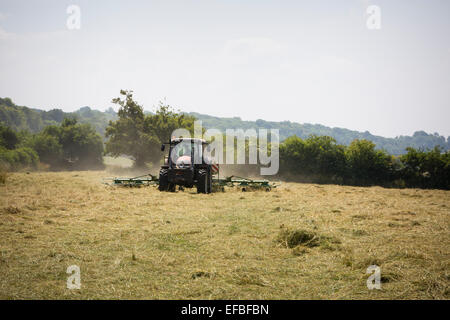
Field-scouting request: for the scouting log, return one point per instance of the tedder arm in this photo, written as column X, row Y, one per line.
column 145, row 180
column 245, row 184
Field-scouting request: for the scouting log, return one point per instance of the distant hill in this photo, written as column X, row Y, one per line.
column 395, row 146
column 34, row 120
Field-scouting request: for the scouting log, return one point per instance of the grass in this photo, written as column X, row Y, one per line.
column 3, row 176
column 300, row 241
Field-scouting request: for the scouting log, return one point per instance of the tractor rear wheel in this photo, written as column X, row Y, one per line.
column 210, row 185
column 202, row 183
column 163, row 180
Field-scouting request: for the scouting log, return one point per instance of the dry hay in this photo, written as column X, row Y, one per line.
column 299, row 241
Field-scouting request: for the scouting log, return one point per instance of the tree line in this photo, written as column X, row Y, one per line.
column 317, row 158
column 35, row 120
column 320, row 159
column 395, row 146
column 21, row 118
column 70, row 145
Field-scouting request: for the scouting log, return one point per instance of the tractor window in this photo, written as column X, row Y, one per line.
column 181, row 154
column 198, row 148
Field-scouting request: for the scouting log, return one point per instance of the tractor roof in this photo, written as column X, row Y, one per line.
column 195, row 140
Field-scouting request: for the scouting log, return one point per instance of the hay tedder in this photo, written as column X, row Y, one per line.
column 186, row 167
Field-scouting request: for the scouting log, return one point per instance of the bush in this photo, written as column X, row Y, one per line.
column 366, row 165
column 69, row 146
column 20, row 158
column 319, row 158
column 423, row 169
column 48, row 148
column 8, row 137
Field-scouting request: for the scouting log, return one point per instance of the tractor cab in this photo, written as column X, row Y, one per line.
column 185, row 166
column 185, row 153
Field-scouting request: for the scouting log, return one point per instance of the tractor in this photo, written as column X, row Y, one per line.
column 185, row 166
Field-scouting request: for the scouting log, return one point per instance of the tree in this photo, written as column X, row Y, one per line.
column 82, row 145
column 14, row 156
column 318, row 157
column 48, row 148
column 69, row 146
column 8, row 137
column 18, row 158
column 140, row 136
column 367, row 165
column 426, row 169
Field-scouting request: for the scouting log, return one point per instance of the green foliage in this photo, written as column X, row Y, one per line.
column 48, row 148
column 366, row 165
column 8, row 137
column 394, row 146
column 320, row 159
column 140, row 135
column 22, row 118
column 71, row 145
column 312, row 152
column 426, row 169
column 99, row 120
column 317, row 157
column 12, row 155
column 18, row 158
column 68, row 146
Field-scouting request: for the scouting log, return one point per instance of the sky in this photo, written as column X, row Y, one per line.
column 301, row 61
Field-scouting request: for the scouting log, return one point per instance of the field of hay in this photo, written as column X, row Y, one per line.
column 300, row 241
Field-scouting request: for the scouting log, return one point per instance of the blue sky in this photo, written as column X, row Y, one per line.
column 303, row 61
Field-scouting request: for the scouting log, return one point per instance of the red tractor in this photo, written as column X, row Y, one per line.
column 185, row 166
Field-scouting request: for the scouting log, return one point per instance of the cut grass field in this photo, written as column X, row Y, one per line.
column 300, row 241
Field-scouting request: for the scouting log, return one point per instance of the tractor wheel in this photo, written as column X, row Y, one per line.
column 163, row 180
column 210, row 184
column 202, row 184
column 172, row 187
